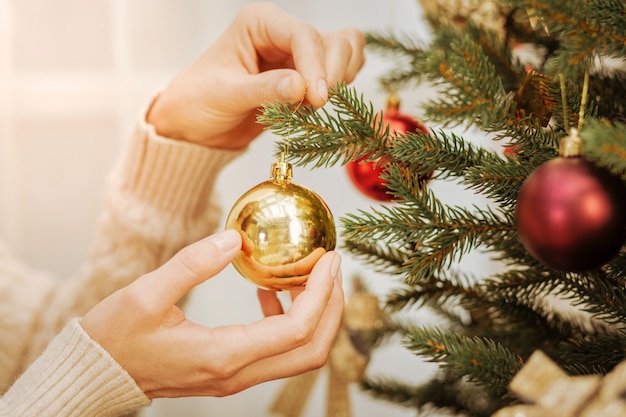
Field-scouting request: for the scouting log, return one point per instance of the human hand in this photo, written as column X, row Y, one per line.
column 170, row 356
column 265, row 55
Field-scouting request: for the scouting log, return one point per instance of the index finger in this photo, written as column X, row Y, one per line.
column 278, row 334
column 192, row 265
column 273, row 28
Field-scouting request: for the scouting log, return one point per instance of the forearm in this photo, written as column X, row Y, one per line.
column 158, row 201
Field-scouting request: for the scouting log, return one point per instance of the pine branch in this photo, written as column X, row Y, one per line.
column 407, row 55
column 508, row 68
column 523, row 327
column 405, row 183
column 435, row 234
column 616, row 269
column 442, row 395
column 610, row 83
column 479, row 359
column 508, row 308
column 518, row 284
column 323, row 138
column 447, row 153
column 499, row 180
column 533, row 145
column 432, row 292
column 583, row 31
column 605, row 144
column 595, row 353
column 609, row 13
column 418, row 238
column 395, row 46
column 385, row 224
column 595, row 293
column 383, row 258
column 392, row 391
column 518, row 307
column 472, row 89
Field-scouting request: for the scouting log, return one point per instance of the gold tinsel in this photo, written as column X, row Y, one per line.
column 456, row 13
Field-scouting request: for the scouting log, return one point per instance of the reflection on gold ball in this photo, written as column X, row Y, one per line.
column 285, row 229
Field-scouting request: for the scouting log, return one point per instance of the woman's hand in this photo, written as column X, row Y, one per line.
column 265, row 55
column 170, row 356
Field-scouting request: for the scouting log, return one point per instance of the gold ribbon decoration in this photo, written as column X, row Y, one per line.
column 534, row 97
column 544, row 389
column 488, row 14
column 348, row 360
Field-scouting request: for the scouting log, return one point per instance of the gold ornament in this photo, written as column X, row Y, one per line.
column 534, row 97
column 286, row 228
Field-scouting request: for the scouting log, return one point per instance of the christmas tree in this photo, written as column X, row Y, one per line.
column 561, row 287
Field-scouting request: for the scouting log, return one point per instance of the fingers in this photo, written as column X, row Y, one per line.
column 303, row 358
column 341, row 53
column 191, row 266
column 279, row 37
column 224, row 360
column 309, row 57
column 284, row 85
column 321, row 299
column 344, row 55
column 320, row 60
column 196, row 360
column 307, row 307
column 270, row 304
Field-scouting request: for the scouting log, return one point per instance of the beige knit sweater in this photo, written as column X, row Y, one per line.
column 158, row 200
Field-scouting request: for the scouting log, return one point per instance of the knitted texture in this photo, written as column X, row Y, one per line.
column 159, row 199
column 99, row 386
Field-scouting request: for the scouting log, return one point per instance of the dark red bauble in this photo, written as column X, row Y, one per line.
column 365, row 175
column 571, row 214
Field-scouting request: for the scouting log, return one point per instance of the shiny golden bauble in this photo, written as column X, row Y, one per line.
column 285, row 228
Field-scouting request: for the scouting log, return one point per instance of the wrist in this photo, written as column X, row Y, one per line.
column 157, row 116
column 168, row 122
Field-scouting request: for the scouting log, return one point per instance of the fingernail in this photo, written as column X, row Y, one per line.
column 284, row 88
column 226, row 240
column 334, row 267
column 322, row 89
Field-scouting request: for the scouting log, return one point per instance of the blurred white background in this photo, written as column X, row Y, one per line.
column 73, row 75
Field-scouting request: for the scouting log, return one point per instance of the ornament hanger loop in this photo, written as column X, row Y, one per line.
column 583, row 101
column 571, row 145
column 282, row 170
column 284, row 156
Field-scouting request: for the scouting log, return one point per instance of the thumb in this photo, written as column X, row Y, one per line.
column 191, row 266
column 283, row 85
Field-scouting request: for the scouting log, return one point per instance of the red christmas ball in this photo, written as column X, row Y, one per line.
column 364, row 174
column 571, row 214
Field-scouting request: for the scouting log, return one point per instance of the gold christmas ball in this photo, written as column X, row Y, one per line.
column 285, row 228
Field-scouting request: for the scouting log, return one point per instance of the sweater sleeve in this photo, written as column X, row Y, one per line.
column 74, row 377
column 159, row 199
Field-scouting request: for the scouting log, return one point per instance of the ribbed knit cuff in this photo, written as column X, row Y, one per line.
column 74, row 377
column 170, row 175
